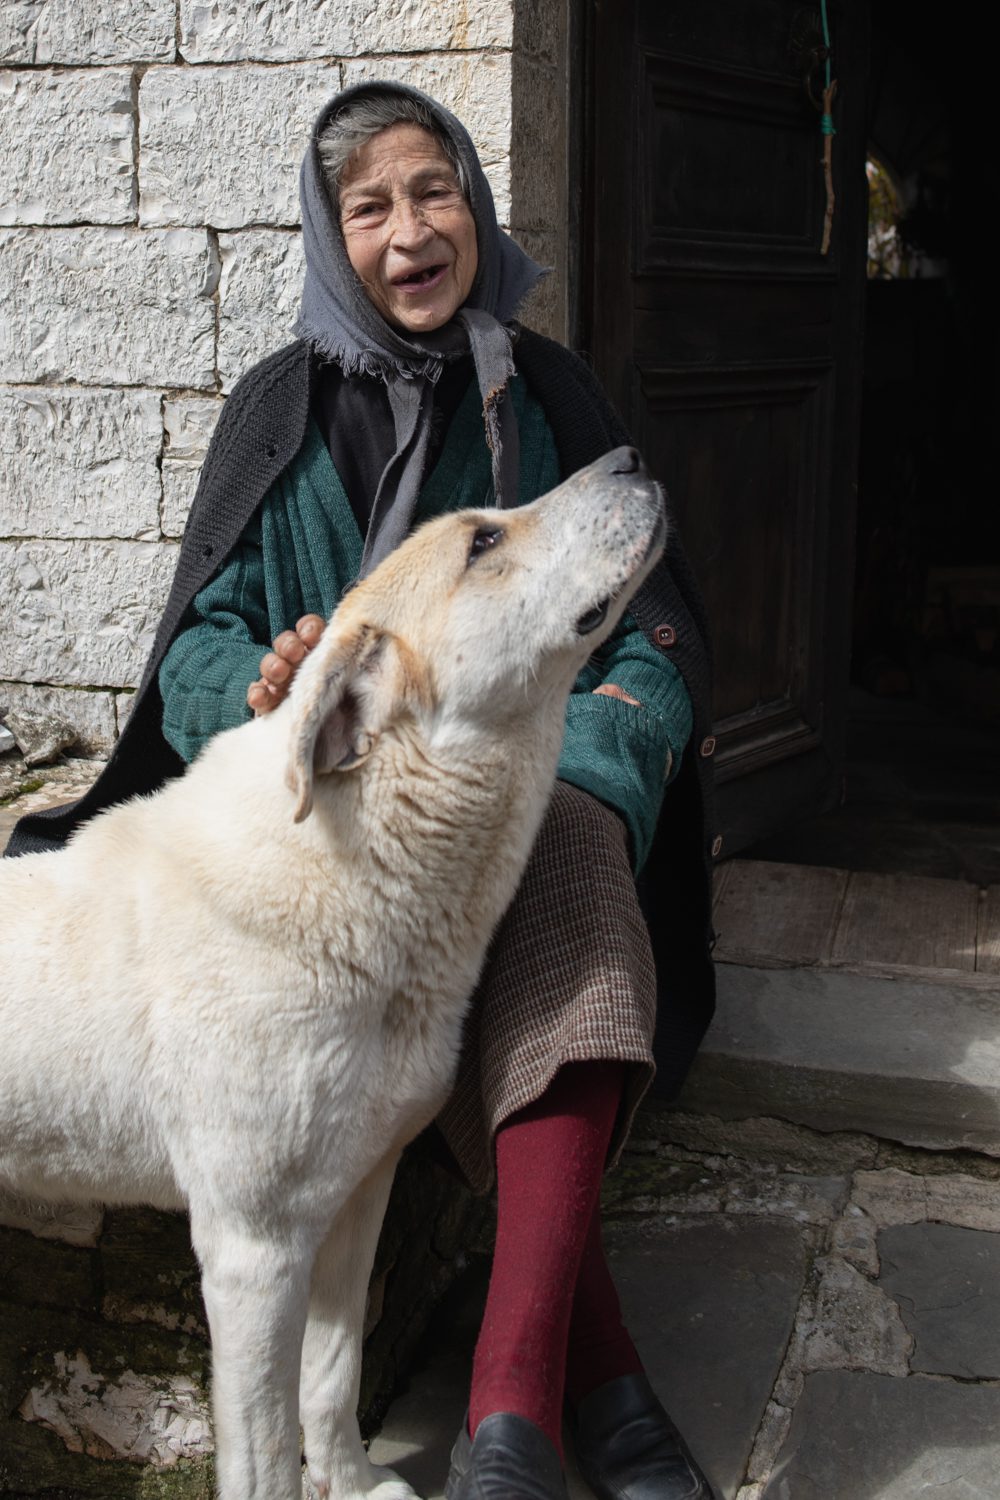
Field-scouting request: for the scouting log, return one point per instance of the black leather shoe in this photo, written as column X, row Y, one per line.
column 510, row 1459
column 627, row 1448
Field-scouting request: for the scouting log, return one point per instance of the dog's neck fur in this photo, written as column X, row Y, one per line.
column 462, row 842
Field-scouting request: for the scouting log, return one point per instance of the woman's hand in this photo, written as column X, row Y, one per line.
column 279, row 666
column 612, row 690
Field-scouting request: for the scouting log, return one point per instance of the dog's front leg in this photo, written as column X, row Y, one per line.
column 331, row 1353
column 256, row 1291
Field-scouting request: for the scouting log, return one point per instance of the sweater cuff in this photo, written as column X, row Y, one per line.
column 621, row 755
column 205, row 693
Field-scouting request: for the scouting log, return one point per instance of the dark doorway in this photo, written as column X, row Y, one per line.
column 845, row 522
column 922, row 783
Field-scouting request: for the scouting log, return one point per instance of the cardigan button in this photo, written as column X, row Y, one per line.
column 665, row 636
column 271, row 448
column 717, row 846
column 707, row 746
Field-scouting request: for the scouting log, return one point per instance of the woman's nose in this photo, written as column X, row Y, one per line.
column 409, row 226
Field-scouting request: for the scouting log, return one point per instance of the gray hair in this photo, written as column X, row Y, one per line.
column 355, row 125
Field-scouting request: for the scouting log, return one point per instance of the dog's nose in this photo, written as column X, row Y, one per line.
column 625, row 461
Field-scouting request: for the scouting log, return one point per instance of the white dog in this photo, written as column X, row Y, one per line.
column 243, row 995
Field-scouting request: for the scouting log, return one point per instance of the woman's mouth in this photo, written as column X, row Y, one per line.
column 420, row 281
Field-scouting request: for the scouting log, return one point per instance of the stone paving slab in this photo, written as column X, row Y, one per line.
column 872, row 1437
column 946, row 1282
column 843, row 1051
column 711, row 1306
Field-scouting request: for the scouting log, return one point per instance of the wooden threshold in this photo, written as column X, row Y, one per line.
column 772, row 915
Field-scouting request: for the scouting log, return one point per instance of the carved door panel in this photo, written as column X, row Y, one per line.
column 732, row 347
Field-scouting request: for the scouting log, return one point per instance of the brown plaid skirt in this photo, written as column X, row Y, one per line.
column 569, row 978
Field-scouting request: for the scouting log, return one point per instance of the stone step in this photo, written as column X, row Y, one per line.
column 912, row 1059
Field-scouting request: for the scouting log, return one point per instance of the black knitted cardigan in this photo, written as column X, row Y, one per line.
column 260, row 430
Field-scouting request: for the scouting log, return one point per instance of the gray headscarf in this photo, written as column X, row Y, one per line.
column 340, row 321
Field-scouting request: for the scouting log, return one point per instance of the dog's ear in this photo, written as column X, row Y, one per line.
column 346, row 695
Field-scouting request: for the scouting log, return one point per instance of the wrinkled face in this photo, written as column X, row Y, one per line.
column 408, row 230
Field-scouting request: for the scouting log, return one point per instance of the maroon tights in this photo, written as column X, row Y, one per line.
column 553, row 1323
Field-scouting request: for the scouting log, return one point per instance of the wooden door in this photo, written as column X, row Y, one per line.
column 732, row 347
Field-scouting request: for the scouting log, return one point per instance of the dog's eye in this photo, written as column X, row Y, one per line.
column 485, row 538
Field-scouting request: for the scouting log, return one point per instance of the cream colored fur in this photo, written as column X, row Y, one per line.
column 244, row 995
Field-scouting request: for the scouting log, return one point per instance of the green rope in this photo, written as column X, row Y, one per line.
column 826, row 124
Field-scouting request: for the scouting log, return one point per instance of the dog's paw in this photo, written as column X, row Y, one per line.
column 389, row 1486
column 376, row 1483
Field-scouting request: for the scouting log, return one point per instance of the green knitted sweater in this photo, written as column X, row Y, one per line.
column 303, row 548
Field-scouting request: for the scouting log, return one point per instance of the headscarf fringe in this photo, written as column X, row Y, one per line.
column 356, row 361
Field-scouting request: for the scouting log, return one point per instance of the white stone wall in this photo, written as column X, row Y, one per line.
column 149, row 254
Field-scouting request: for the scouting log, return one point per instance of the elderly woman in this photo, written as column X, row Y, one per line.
column 411, row 391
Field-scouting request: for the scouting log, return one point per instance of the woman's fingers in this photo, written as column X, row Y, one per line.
column 276, row 670
column 309, row 629
column 289, row 647
column 263, row 696
column 279, row 666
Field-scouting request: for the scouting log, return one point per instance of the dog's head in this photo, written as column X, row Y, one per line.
column 480, row 616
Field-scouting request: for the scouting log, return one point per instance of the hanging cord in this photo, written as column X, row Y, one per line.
column 826, row 125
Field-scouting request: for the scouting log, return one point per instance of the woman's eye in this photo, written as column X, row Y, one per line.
column 485, row 538
column 362, row 213
column 441, row 195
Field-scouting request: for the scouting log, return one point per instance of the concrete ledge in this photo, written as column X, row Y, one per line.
column 910, row 1061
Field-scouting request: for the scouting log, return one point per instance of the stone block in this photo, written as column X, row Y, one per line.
column 92, row 714
column 850, row 1324
column 537, row 147
column 891, row 1197
column 223, row 146
column 865, row 1435
column 189, row 422
column 772, row 1140
column 149, row 1273
column 108, row 306
column 66, row 152
column 855, row 1238
column 81, row 613
column 262, row 272
column 895, row 1197
column 540, row 30
column 229, row 31
column 947, row 1284
column 788, row 1195
column 85, row 1402
column 156, row 1419
column 77, row 462
column 86, row 31
column 123, row 707
column 76, row 1224
column 46, row 1273
column 909, row 1061
column 41, row 737
column 544, row 308
column 474, row 86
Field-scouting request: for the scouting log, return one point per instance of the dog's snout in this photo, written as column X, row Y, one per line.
column 625, row 461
